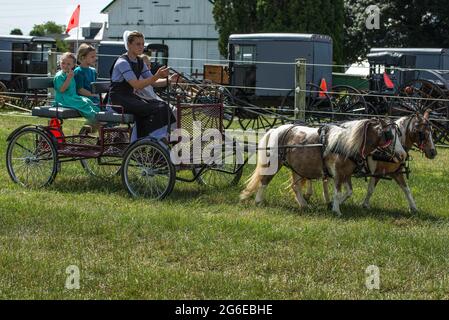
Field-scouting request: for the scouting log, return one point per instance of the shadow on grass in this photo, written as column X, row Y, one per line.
column 352, row 211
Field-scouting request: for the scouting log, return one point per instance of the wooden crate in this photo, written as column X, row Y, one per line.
column 216, row 73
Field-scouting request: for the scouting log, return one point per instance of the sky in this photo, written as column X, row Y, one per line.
column 24, row 14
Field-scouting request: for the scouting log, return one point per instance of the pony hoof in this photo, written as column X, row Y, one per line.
column 329, row 206
column 365, row 206
column 414, row 210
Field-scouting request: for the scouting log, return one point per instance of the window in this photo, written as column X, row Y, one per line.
column 47, row 47
column 36, row 55
column 245, row 54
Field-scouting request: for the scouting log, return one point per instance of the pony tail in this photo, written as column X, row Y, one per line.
column 253, row 182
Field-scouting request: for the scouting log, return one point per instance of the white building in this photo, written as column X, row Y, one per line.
column 186, row 26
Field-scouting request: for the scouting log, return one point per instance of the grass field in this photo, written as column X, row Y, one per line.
column 205, row 244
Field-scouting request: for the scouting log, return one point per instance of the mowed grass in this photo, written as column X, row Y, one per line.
column 205, row 244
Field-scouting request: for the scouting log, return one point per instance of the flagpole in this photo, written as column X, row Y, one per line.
column 78, row 32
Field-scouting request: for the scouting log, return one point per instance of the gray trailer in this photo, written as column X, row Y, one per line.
column 246, row 51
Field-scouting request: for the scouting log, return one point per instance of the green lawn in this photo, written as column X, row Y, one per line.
column 205, row 244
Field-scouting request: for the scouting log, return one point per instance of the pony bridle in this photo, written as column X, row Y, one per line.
column 388, row 136
column 422, row 137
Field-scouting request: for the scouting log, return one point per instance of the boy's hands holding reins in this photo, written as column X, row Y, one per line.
column 163, row 72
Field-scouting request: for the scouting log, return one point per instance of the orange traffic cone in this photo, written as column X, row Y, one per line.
column 323, row 88
column 388, row 82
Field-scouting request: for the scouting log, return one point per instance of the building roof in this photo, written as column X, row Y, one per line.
column 280, row 37
column 26, row 38
column 107, row 7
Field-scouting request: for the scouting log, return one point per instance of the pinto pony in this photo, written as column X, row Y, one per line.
column 338, row 157
column 415, row 130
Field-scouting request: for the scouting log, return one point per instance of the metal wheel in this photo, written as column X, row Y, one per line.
column 314, row 102
column 434, row 99
column 104, row 167
column 252, row 117
column 3, row 87
column 31, row 158
column 147, row 170
column 19, row 84
column 217, row 95
column 223, row 171
column 347, row 99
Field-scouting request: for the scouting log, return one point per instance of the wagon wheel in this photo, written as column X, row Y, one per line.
column 349, row 100
column 19, row 84
column 216, row 95
column 31, row 158
column 104, row 167
column 434, row 99
column 3, row 87
column 223, row 169
column 147, row 170
column 252, row 117
column 314, row 102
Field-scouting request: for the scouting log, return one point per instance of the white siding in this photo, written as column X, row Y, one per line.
column 186, row 26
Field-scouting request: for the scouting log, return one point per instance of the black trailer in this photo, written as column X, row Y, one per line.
column 20, row 56
column 108, row 51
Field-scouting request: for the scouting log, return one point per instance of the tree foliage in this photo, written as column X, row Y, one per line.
column 51, row 29
column 16, row 32
column 403, row 23
column 299, row 16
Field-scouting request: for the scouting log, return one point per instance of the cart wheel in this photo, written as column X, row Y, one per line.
column 3, row 87
column 31, row 158
column 216, row 95
column 434, row 99
column 221, row 174
column 147, row 170
column 314, row 102
column 347, row 99
column 102, row 167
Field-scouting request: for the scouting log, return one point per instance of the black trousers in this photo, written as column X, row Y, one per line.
column 150, row 115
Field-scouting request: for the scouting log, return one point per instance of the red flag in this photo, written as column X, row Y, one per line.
column 74, row 20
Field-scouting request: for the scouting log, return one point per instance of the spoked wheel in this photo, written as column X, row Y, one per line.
column 19, row 84
column 31, row 158
column 319, row 104
column 3, row 87
column 215, row 94
column 348, row 100
column 104, row 167
column 252, row 117
column 147, row 170
column 422, row 95
column 222, row 170
column 316, row 100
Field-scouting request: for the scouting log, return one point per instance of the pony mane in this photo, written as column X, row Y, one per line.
column 402, row 125
column 346, row 139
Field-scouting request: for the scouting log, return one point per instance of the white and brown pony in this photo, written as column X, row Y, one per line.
column 342, row 146
column 415, row 130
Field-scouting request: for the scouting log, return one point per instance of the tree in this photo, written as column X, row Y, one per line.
column 16, row 32
column 51, row 29
column 403, row 23
column 301, row 16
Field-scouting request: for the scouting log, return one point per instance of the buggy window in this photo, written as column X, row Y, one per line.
column 36, row 56
column 245, row 54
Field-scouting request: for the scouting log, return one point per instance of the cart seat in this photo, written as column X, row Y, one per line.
column 55, row 112
column 114, row 117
